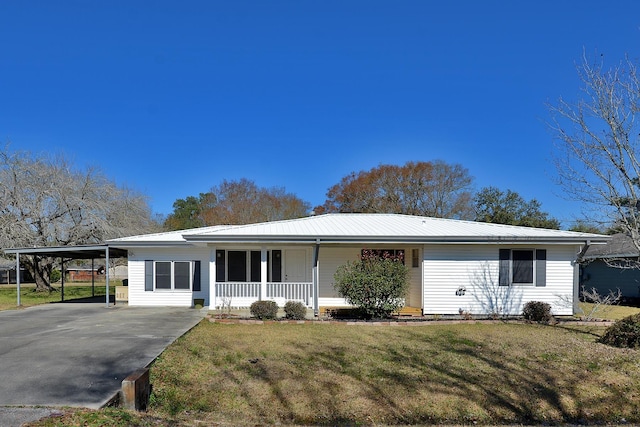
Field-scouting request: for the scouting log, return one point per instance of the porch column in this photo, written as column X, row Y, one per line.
column 316, row 279
column 212, row 278
column 263, row 273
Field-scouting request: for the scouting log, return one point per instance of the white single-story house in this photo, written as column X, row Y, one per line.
column 455, row 266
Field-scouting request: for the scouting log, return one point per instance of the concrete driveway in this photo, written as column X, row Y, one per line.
column 77, row 354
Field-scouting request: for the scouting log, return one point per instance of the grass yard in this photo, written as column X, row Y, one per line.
column 334, row 374
column 610, row 312
column 28, row 298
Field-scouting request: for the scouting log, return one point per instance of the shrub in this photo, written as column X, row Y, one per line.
column 55, row 276
column 377, row 283
column 295, row 310
column 537, row 311
column 624, row 333
column 264, row 310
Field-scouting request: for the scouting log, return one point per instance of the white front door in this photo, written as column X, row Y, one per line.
column 295, row 265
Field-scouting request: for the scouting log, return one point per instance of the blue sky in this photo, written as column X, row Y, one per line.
column 172, row 97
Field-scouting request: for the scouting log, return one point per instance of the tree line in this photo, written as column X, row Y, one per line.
column 426, row 188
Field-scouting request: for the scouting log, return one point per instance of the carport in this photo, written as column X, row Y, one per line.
column 68, row 253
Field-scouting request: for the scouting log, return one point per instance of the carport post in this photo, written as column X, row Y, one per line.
column 93, row 280
column 106, row 272
column 62, row 278
column 18, row 276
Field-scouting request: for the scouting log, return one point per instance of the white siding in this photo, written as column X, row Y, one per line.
column 330, row 258
column 137, row 294
column 465, row 278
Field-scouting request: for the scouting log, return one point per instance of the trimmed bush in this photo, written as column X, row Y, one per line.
column 537, row 311
column 264, row 310
column 377, row 284
column 624, row 333
column 295, row 310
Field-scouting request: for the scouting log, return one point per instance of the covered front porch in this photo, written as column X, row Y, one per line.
column 241, row 276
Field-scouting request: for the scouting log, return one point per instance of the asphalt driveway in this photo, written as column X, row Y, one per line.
column 72, row 354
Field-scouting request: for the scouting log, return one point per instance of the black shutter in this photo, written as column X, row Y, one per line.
column 256, row 266
column 196, row 275
column 148, row 276
column 220, row 265
column 541, row 267
column 504, row 274
column 276, row 266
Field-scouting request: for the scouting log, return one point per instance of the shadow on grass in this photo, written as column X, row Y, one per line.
column 406, row 375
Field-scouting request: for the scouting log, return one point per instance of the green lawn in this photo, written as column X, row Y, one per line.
column 28, row 298
column 334, row 374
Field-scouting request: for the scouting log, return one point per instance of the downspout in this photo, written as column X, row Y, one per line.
column 576, row 275
column 316, row 279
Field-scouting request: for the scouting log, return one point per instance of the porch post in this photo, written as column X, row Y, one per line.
column 17, row 276
column 212, row 278
column 263, row 273
column 316, row 279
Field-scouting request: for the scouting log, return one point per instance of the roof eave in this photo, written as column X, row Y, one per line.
column 394, row 239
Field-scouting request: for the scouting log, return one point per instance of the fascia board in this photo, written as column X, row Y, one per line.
column 393, row 239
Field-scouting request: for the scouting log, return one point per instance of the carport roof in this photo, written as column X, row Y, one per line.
column 73, row 252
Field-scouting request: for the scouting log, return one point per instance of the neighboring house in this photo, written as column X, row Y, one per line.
column 8, row 272
column 600, row 270
column 455, row 266
column 85, row 272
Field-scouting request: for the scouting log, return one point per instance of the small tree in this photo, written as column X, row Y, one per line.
column 377, row 283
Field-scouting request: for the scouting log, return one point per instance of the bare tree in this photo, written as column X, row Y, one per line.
column 598, row 140
column 45, row 202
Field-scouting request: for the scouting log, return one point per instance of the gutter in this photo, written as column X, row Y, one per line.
column 585, row 248
column 386, row 240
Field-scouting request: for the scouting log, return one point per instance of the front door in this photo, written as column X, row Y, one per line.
column 295, row 266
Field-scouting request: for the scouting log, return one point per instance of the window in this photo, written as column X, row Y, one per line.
column 522, row 267
column 237, row 266
column 246, row 266
column 415, row 258
column 172, row 275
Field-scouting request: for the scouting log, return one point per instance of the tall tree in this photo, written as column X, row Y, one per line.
column 598, row 145
column 436, row 189
column 187, row 213
column 44, row 201
column 496, row 206
column 236, row 202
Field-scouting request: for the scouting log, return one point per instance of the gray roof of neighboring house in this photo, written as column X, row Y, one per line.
column 7, row 264
column 619, row 246
column 371, row 228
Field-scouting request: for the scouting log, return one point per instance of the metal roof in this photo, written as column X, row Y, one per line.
column 369, row 228
column 71, row 252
